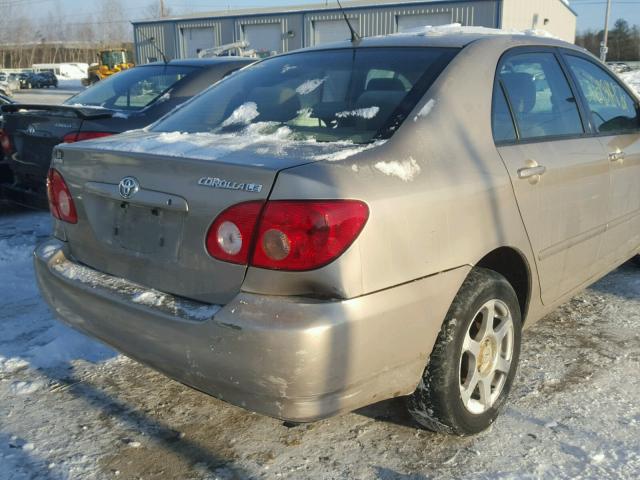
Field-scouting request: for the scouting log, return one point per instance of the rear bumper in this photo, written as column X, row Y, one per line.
column 291, row 358
column 24, row 196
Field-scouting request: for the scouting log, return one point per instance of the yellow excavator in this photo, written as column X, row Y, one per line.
column 109, row 63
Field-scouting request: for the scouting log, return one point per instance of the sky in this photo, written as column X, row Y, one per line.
column 590, row 12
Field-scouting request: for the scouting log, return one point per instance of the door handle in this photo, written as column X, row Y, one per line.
column 617, row 156
column 529, row 172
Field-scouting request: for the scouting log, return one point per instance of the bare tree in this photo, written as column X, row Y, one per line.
column 157, row 9
column 112, row 26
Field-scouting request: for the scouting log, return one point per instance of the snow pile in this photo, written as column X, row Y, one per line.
column 405, row 170
column 243, row 115
column 12, row 365
column 25, row 388
column 458, row 29
column 310, row 85
column 261, row 138
column 350, row 151
column 29, row 335
column 367, row 113
column 425, row 110
column 632, row 79
column 133, row 292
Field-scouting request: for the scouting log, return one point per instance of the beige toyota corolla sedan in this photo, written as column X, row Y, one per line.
column 341, row 225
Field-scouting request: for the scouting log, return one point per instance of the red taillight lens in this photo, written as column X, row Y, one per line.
column 5, row 143
column 291, row 235
column 229, row 237
column 60, row 200
column 304, row 235
column 80, row 136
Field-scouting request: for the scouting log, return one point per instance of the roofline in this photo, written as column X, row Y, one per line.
column 199, row 62
column 569, row 7
column 293, row 9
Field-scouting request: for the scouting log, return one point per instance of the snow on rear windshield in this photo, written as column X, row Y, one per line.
column 355, row 95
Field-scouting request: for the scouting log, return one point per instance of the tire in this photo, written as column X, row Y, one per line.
column 438, row 403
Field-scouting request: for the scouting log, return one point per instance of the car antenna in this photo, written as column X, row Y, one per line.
column 152, row 41
column 354, row 35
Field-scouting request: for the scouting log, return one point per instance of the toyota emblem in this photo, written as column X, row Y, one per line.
column 128, row 187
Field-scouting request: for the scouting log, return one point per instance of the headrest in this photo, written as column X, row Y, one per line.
column 521, row 88
column 385, row 84
column 273, row 106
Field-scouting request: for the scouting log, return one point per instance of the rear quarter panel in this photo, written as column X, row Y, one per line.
column 438, row 192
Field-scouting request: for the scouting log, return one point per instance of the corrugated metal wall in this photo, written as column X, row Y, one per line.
column 147, row 34
column 383, row 20
column 180, row 47
column 297, row 27
column 521, row 15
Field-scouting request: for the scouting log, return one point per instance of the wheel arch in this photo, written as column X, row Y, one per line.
column 513, row 265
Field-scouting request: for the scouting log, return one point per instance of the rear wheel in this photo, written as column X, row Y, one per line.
column 474, row 361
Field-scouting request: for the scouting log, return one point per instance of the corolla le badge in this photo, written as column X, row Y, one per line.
column 128, row 187
column 215, row 182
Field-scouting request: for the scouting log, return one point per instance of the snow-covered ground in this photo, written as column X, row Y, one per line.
column 72, row 408
column 633, row 79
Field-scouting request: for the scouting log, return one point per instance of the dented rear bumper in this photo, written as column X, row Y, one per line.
column 292, row 358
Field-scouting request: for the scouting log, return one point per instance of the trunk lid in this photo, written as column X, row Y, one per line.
column 156, row 237
column 34, row 130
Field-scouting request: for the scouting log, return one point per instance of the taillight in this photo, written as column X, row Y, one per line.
column 80, row 136
column 304, row 235
column 229, row 237
column 292, row 235
column 60, row 200
column 5, row 143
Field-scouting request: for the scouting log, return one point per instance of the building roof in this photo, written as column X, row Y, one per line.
column 326, row 6
column 449, row 36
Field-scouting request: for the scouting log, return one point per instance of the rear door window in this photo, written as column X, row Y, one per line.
column 540, row 96
column 613, row 110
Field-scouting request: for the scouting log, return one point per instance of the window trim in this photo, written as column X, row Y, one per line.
column 585, row 121
column 516, row 129
column 565, row 52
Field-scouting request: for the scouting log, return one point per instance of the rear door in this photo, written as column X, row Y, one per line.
column 560, row 175
column 615, row 118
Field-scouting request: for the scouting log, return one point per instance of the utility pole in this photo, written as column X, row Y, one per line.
column 162, row 11
column 603, row 46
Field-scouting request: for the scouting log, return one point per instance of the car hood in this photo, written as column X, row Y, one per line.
column 276, row 150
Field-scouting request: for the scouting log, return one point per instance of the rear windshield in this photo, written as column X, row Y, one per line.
column 356, row 95
column 132, row 89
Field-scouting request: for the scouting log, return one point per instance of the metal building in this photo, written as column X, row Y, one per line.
column 276, row 30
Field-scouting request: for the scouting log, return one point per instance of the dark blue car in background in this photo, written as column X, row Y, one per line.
column 129, row 100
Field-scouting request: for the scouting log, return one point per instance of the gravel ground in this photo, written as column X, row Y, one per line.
column 71, row 408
